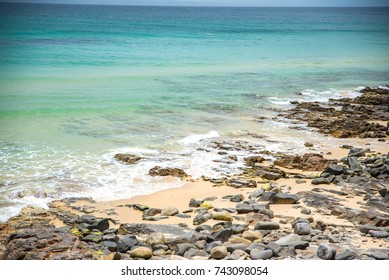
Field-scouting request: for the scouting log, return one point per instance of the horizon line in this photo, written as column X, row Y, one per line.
column 188, row 6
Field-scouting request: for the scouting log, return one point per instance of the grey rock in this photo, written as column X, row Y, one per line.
column 237, row 198
column 267, row 226
column 302, row 228
column 264, row 255
column 140, row 207
column 156, row 238
column 242, row 183
column 239, row 228
column 126, row 242
column 301, row 245
column 88, row 219
column 267, row 196
column 347, row 255
column 306, row 211
column 183, row 247
column 219, row 252
column 100, row 225
column 202, row 218
column 256, row 194
column 151, row 212
column 110, row 237
column 326, row 252
column 274, row 247
column 112, row 246
column 95, row 238
column 243, row 208
column 195, row 202
column 379, row 255
column 334, row 169
column 320, row 181
column 379, row 233
column 236, row 246
column 255, row 246
column 212, row 245
column 222, row 235
column 203, row 227
column 286, row 240
column 284, row 198
column 333, row 239
column 169, row 211
column 183, row 216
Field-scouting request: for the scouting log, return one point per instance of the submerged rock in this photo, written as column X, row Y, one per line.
column 168, row 171
column 128, row 158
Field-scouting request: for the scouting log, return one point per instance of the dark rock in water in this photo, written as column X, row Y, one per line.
column 128, row 158
column 302, row 228
column 168, row 171
column 267, row 226
column 242, row 183
column 326, row 252
column 347, row 255
column 126, row 242
column 334, row 169
column 320, row 181
column 201, row 218
column 379, row 234
column 195, row 202
column 284, row 198
column 251, row 161
column 264, row 255
column 237, row 198
column 112, row 246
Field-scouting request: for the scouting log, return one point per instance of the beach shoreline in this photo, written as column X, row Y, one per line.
column 284, row 206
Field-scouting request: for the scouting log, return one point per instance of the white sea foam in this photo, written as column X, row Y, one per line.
column 194, row 138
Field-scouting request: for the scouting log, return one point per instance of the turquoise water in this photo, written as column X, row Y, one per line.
column 80, row 83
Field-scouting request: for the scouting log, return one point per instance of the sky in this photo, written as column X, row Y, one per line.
column 244, row 3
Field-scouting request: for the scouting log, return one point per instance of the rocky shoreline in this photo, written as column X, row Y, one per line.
column 309, row 206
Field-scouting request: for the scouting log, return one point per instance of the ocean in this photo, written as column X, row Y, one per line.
column 80, row 83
